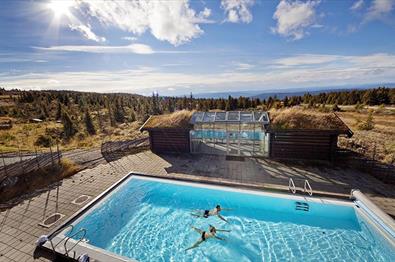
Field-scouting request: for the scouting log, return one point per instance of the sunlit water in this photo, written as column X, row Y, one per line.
column 151, row 221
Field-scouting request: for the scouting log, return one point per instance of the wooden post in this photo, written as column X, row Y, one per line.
column 20, row 156
column 38, row 162
column 57, row 149
column 50, row 150
column 57, row 199
column 374, row 158
column 21, row 160
column 5, row 166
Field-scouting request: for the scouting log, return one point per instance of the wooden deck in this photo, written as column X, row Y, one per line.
column 19, row 227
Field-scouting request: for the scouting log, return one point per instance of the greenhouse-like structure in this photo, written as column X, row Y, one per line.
column 237, row 133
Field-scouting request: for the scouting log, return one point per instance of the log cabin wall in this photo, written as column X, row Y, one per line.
column 169, row 140
column 303, row 144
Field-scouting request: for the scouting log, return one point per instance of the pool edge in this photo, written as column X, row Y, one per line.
column 82, row 211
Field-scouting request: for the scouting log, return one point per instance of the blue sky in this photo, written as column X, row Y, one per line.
column 182, row 46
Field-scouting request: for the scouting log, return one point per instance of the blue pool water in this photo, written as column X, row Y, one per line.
column 150, row 221
column 221, row 134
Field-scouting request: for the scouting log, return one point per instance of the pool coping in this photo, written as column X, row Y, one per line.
column 104, row 255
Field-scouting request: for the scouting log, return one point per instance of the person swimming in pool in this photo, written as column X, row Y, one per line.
column 204, row 235
column 213, row 212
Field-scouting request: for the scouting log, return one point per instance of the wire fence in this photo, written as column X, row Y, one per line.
column 114, row 150
column 382, row 171
column 19, row 163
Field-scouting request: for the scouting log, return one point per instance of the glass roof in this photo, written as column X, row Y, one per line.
column 230, row 116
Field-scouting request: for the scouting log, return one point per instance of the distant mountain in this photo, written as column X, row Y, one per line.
column 283, row 92
column 282, row 95
column 226, row 94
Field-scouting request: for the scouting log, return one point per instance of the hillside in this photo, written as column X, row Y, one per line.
column 35, row 120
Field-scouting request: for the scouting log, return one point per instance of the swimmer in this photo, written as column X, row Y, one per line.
column 204, row 235
column 213, row 212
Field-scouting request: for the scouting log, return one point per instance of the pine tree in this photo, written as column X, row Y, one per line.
column 132, row 116
column 286, row 101
column 90, row 128
column 119, row 114
column 368, row 124
column 190, row 104
column 69, row 129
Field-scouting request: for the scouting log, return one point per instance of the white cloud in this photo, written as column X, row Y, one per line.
column 293, row 18
column 243, row 66
column 130, row 38
column 323, row 70
column 87, row 32
column 133, row 48
column 172, row 21
column 237, row 11
column 53, row 81
column 357, row 5
column 335, row 61
column 304, row 60
column 379, row 9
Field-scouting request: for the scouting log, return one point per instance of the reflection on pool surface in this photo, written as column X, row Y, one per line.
column 222, row 134
column 150, row 221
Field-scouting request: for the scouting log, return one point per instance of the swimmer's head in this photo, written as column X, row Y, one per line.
column 218, row 207
column 212, row 229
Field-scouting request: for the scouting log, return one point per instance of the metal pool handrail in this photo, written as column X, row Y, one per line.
column 76, row 243
column 57, row 231
column 307, row 188
column 291, row 185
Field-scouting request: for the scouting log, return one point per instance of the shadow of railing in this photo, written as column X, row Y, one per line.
column 114, row 150
column 29, row 165
column 382, row 171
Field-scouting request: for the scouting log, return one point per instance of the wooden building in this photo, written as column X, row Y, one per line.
column 305, row 144
column 169, row 133
column 300, row 134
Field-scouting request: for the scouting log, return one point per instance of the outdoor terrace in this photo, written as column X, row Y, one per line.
column 19, row 225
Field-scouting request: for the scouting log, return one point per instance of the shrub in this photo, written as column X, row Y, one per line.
column 6, row 137
column 54, row 132
column 358, row 106
column 44, row 141
column 324, row 109
column 336, row 108
column 368, row 124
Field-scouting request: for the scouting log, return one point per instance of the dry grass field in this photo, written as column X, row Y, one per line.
column 377, row 143
column 22, row 136
column 178, row 119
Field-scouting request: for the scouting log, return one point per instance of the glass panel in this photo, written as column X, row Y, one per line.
column 220, row 116
column 265, row 118
column 209, row 117
column 233, row 116
column 197, row 117
column 257, row 116
column 246, row 117
column 232, row 133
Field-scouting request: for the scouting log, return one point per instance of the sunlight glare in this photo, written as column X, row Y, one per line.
column 60, row 7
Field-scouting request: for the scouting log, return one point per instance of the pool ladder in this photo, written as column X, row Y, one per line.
column 65, row 239
column 306, row 188
column 291, row 185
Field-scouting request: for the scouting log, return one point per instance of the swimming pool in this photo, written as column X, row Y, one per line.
column 149, row 219
column 222, row 134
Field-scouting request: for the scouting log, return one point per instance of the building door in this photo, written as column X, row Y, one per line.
column 232, row 143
